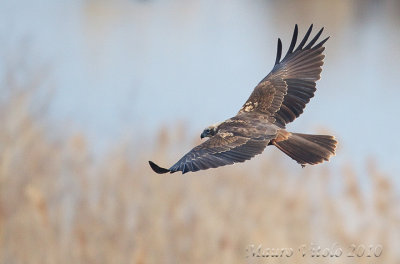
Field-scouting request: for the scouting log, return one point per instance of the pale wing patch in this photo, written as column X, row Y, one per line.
column 225, row 134
column 249, row 106
column 234, row 121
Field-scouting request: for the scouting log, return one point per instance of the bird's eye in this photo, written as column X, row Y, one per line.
column 208, row 131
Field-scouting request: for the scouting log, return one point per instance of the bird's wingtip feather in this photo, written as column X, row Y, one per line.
column 157, row 168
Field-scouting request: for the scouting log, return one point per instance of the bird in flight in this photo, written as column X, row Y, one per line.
column 276, row 101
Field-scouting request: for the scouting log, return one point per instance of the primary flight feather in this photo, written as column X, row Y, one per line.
column 277, row 100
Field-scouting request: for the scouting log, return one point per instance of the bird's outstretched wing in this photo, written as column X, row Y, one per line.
column 285, row 91
column 220, row 150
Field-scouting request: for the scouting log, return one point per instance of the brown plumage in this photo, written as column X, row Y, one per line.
column 276, row 101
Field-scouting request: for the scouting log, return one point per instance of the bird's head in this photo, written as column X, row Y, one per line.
column 209, row 131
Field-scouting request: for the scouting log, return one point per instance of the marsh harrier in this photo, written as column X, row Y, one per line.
column 276, row 101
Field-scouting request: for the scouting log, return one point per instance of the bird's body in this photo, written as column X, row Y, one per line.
column 277, row 100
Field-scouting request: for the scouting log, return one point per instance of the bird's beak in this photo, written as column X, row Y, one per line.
column 203, row 135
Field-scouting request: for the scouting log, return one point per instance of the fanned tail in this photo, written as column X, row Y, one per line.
column 307, row 149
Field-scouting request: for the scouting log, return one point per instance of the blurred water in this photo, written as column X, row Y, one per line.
column 136, row 65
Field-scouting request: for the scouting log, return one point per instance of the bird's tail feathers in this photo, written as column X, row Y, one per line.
column 306, row 149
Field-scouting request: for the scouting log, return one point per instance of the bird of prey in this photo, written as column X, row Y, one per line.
column 276, row 101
